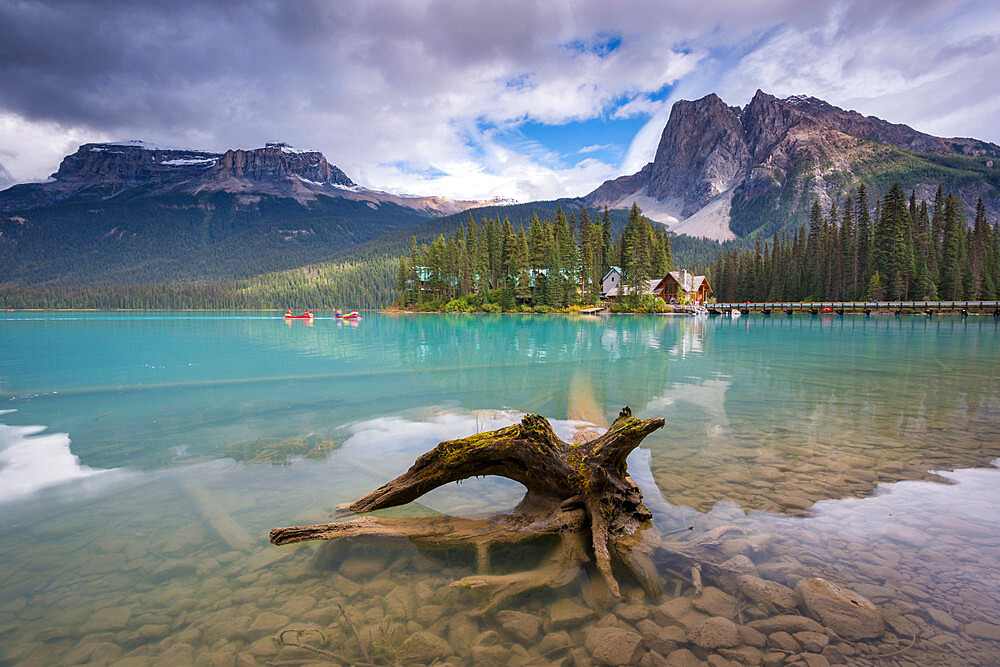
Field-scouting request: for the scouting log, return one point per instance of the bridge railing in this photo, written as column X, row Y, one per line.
column 872, row 305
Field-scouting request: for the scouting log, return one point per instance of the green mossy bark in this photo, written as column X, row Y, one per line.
column 571, row 488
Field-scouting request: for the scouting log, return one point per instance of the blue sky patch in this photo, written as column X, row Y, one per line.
column 565, row 145
column 601, row 45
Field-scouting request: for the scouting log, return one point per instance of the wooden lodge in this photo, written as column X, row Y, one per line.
column 679, row 286
column 675, row 287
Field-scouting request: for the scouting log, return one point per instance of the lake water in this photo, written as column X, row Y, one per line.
column 144, row 458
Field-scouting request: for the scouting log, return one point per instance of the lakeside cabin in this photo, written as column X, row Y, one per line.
column 675, row 287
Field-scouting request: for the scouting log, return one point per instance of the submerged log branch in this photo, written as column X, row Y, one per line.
column 571, row 488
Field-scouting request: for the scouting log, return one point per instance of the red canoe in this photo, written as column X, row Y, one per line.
column 304, row 316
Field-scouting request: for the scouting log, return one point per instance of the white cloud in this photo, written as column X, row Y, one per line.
column 31, row 150
column 373, row 85
column 6, row 180
column 932, row 70
column 639, row 106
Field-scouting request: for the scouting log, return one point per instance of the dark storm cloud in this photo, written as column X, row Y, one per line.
column 379, row 83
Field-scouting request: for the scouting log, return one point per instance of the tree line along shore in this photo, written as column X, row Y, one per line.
column 859, row 248
column 888, row 250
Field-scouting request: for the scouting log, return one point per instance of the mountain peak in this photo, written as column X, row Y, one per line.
column 722, row 171
column 274, row 163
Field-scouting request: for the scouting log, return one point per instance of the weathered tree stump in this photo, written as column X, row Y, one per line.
column 571, row 489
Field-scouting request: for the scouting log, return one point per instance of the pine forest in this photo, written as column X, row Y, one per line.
column 553, row 265
column 889, row 249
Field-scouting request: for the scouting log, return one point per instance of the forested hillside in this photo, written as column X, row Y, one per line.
column 364, row 276
column 177, row 237
column 886, row 249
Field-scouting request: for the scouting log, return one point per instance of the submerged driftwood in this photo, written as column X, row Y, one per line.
column 572, row 490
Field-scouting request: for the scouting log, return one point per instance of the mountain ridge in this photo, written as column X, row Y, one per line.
column 719, row 169
column 109, row 169
column 128, row 212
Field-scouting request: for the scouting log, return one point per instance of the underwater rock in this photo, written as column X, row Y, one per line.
column 752, row 637
column 268, row 622
column 715, row 632
column 633, row 613
column 850, row 615
column 490, row 656
column 814, row 642
column 614, row 646
column 745, row 655
column 679, row 611
column 770, row 594
column 784, row 642
column 741, row 563
column 425, row 647
column 579, row 657
column 400, row 602
column 906, row 535
column 564, row 612
column 983, row 630
column 660, row 639
column 814, row 660
column 774, row 659
column 942, row 618
column 683, row 657
column 462, row 632
column 789, row 623
column 714, row 602
column 554, row 642
column 153, row 632
column 487, row 638
column 431, row 613
column 178, row 654
column 362, row 566
column 522, row 626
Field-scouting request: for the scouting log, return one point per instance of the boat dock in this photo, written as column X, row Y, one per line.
column 866, row 307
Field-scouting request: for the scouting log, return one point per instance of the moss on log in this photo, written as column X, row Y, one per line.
column 572, row 489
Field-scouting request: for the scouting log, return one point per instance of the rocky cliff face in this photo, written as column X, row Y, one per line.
column 722, row 172
column 274, row 163
column 702, row 150
column 104, row 171
column 884, row 132
column 127, row 164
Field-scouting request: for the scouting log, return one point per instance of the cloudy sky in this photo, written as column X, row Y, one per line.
column 470, row 98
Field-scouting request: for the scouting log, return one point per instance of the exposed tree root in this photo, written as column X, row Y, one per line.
column 572, row 489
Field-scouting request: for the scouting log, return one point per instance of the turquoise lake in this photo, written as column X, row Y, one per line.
column 145, row 456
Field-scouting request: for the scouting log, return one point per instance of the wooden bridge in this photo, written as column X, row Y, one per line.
column 867, row 307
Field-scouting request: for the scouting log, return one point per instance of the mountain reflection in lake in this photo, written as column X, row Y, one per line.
column 859, row 450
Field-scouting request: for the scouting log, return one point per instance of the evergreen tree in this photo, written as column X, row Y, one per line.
column 951, row 287
column 926, row 290
column 978, row 242
column 814, row 266
column 875, row 291
column 553, row 288
column 938, row 225
column 864, row 251
column 414, row 276
column 403, row 278
column 848, row 251
column 605, row 243
column 894, row 256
